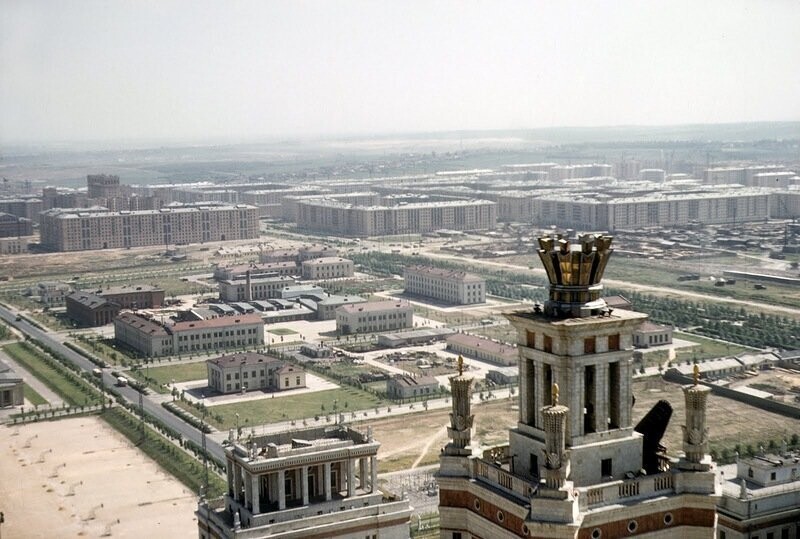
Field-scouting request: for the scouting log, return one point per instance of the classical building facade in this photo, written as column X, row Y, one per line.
column 374, row 316
column 90, row 310
column 254, row 288
column 100, row 228
column 152, row 338
column 456, row 287
column 575, row 465
column 316, row 483
column 11, row 387
column 328, row 267
column 251, row 371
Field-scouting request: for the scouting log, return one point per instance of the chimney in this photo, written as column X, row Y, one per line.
column 248, row 289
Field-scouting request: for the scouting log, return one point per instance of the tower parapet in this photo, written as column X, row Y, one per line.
column 575, row 273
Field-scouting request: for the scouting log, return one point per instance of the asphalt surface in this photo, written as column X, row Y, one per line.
column 128, row 393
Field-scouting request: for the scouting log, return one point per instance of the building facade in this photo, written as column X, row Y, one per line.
column 11, row 387
column 310, row 484
column 575, row 465
column 249, row 289
column 99, row 228
column 151, row 338
column 328, row 267
column 484, row 349
column 91, row 310
column 12, row 226
column 374, row 316
column 250, row 371
column 405, row 386
column 457, row 287
column 649, row 334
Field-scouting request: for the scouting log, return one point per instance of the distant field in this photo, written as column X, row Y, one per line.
column 185, row 372
column 708, row 349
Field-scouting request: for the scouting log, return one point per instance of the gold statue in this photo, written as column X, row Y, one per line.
column 460, row 365
column 555, row 394
column 696, row 372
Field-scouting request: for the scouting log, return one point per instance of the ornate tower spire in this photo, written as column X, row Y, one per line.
column 460, row 429
column 575, row 274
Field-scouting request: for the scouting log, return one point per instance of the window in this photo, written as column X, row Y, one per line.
column 548, row 344
column 534, row 465
column 605, row 468
column 589, row 345
column 613, row 342
column 772, row 476
column 530, row 339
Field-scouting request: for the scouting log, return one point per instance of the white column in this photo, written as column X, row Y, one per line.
column 304, row 483
column 326, row 473
column 256, row 494
column 351, row 478
column 281, row 490
column 373, row 480
column 362, row 473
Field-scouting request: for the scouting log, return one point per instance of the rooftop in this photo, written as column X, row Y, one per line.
column 375, row 306
column 445, row 274
column 224, row 321
column 325, row 260
column 490, row 346
column 244, row 359
column 146, row 325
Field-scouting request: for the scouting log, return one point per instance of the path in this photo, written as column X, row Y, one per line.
column 428, row 445
column 48, row 394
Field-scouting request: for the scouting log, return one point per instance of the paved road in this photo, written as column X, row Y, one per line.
column 54, row 341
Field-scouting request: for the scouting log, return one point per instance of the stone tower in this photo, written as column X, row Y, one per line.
column 573, row 466
column 460, row 429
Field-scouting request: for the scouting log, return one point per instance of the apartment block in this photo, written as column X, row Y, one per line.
column 457, row 287
column 12, row 226
column 99, row 228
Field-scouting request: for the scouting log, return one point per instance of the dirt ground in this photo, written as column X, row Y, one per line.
column 78, row 477
column 408, row 442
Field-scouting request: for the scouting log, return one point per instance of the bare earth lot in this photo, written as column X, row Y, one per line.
column 80, row 478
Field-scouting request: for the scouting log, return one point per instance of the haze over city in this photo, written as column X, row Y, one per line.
column 242, row 70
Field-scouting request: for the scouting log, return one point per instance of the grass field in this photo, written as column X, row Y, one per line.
column 67, row 386
column 302, row 406
column 32, row 396
column 159, row 376
column 281, row 331
column 709, row 348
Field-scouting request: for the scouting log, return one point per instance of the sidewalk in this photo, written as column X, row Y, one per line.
column 50, row 396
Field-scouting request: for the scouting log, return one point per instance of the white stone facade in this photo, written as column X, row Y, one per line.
column 455, row 287
column 374, row 316
column 329, row 267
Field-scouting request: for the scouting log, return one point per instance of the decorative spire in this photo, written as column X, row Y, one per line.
column 460, row 365
column 696, row 373
column 555, row 394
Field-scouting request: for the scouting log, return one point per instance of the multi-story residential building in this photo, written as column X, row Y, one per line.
column 406, row 386
column 27, row 208
column 374, row 316
column 99, row 228
column 13, row 246
column 451, row 286
column 482, row 348
column 103, row 186
column 761, row 497
column 12, row 226
column 151, row 338
column 333, row 217
column 251, row 371
column 90, row 310
column 575, row 465
column 328, row 267
column 250, row 289
column 310, row 483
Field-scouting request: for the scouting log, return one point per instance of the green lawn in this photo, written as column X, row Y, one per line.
column 32, row 396
column 281, row 331
column 272, row 410
column 165, row 375
column 67, row 385
column 709, row 349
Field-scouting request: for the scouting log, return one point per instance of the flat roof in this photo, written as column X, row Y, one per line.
column 325, row 260
column 374, row 306
column 243, row 359
column 493, row 347
column 223, row 321
column 445, row 273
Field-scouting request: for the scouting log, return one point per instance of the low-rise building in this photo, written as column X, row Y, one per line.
column 51, row 293
column 251, row 289
column 649, row 334
column 503, row 376
column 484, row 349
column 251, row 371
column 320, row 482
column 456, row 287
column 405, row 386
column 151, row 338
column 11, row 387
column 328, row 267
column 414, row 337
column 374, row 316
column 15, row 246
column 90, row 310
column 326, row 307
column 761, row 497
column 137, row 296
column 257, row 271
column 301, row 290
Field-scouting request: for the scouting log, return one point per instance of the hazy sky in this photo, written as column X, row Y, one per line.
column 76, row 70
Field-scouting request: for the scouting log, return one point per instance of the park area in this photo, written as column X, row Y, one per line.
column 80, row 478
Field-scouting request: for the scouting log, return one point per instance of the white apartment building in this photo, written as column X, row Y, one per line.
column 456, row 287
column 249, row 289
column 374, row 316
column 77, row 229
column 329, row 267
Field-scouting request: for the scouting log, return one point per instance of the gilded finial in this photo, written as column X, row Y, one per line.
column 696, row 372
column 460, row 365
column 555, row 394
